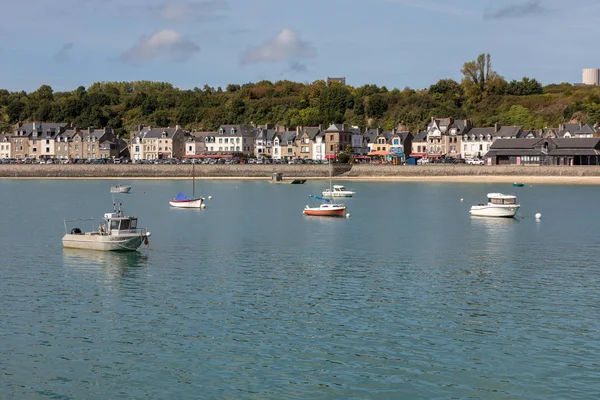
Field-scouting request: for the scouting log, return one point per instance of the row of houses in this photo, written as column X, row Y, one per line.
column 61, row 141
column 314, row 143
column 568, row 144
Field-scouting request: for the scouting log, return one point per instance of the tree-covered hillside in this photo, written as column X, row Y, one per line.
column 483, row 96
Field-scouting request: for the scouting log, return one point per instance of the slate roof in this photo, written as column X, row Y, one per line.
column 585, row 130
column 42, row 128
column 371, row 134
column 508, row 131
column 403, row 135
column 337, row 128
column 514, row 144
column 287, row 136
column 156, row 133
column 571, row 127
column 577, row 143
column 481, row 131
column 240, row 130
column 313, row 132
column 421, row 137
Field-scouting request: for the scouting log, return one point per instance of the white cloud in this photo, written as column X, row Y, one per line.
column 177, row 10
column 167, row 44
column 287, row 45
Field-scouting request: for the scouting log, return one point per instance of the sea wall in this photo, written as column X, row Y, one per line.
column 299, row 171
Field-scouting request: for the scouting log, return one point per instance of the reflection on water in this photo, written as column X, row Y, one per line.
column 117, row 264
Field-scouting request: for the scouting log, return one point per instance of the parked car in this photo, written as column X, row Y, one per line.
column 474, row 161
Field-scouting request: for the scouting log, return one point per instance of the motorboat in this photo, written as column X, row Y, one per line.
column 326, row 209
column 338, row 191
column 518, row 184
column 183, row 201
column 120, row 189
column 498, row 205
column 117, row 232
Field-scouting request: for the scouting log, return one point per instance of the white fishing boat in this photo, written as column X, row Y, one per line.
column 338, row 191
column 117, row 232
column 498, row 205
column 183, row 201
column 120, row 189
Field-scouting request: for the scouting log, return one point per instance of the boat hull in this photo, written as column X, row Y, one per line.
column 330, row 212
column 93, row 241
column 193, row 203
column 337, row 194
column 495, row 211
column 120, row 189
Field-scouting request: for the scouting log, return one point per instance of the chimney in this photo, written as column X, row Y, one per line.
column 177, row 127
column 497, row 127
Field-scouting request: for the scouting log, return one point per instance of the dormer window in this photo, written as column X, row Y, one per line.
column 221, row 131
column 233, row 131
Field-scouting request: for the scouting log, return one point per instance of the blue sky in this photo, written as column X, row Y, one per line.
column 396, row 43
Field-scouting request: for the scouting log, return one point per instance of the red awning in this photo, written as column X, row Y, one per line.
column 381, row 153
column 330, row 156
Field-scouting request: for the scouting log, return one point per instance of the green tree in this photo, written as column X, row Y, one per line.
column 479, row 78
column 310, row 116
column 518, row 115
column 376, row 106
column 332, row 103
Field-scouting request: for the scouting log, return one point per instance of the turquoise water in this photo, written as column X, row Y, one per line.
column 409, row 298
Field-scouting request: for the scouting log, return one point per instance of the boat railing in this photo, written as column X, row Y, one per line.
column 70, row 221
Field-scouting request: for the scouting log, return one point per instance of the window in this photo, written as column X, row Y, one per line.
column 331, row 138
column 47, row 141
column 47, row 149
column 237, row 148
column 306, row 140
column 227, row 140
column 237, row 140
column 331, row 148
column 221, row 131
column 190, row 148
column 480, row 147
column 220, row 148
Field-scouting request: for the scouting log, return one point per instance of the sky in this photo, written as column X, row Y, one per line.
column 190, row 43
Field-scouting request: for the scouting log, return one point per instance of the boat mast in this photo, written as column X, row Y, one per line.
column 193, row 179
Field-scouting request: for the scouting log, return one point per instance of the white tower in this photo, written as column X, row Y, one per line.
column 591, row 76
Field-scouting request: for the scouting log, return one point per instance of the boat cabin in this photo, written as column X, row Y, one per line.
column 503, row 199
column 117, row 223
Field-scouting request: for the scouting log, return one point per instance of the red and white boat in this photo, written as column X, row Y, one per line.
column 327, row 209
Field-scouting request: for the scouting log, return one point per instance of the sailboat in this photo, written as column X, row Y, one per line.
column 328, row 208
column 183, row 201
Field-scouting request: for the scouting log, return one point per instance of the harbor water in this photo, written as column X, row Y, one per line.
column 410, row 297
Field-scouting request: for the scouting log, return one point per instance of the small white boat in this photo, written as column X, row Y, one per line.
column 120, row 189
column 182, row 201
column 118, row 232
column 498, row 205
column 338, row 191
